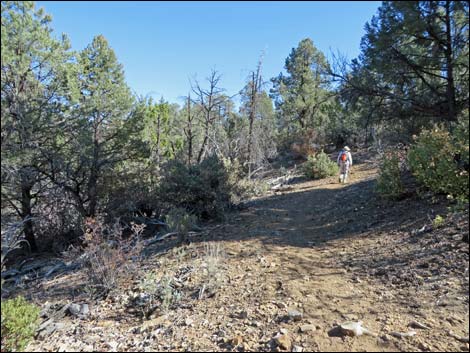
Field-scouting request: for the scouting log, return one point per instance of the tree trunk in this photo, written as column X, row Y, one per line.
column 252, row 118
column 158, row 138
column 204, row 142
column 450, row 67
column 190, row 132
column 26, row 213
column 92, row 183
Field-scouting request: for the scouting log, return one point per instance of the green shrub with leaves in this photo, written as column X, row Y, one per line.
column 202, row 189
column 320, row 166
column 389, row 183
column 438, row 159
column 157, row 293
column 438, row 221
column 180, row 221
column 19, row 323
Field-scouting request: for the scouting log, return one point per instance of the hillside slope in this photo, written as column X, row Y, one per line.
column 305, row 260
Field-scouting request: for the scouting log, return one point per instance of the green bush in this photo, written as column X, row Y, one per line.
column 319, row 166
column 19, row 323
column 202, row 189
column 438, row 221
column 157, row 293
column 389, row 183
column 180, row 221
column 437, row 160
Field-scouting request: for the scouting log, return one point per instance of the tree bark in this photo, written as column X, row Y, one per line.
column 204, row 142
column 26, row 212
column 93, row 181
column 449, row 66
column 189, row 131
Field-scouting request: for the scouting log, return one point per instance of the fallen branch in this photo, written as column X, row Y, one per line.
column 167, row 235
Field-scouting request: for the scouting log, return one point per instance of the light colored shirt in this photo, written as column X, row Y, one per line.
column 348, row 155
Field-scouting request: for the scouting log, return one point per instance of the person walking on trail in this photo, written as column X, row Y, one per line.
column 345, row 163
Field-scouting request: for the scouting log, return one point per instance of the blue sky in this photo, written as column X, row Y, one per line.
column 164, row 44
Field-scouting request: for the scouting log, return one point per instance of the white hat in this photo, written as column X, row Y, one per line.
column 346, row 148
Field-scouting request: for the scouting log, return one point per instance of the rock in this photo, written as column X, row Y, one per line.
column 113, row 345
column 44, row 324
column 47, row 328
column 243, row 314
column 188, row 321
column 386, row 338
column 458, row 338
column 236, row 341
column 84, row 309
column 151, row 324
column 283, row 341
column 74, row 309
column 294, row 315
column 79, row 310
column 403, row 334
column 297, row 349
column 416, row 324
column 307, row 328
column 351, row 328
column 280, row 305
column 423, row 346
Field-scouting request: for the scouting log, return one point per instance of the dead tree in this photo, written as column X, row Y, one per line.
column 254, row 86
column 209, row 101
column 188, row 130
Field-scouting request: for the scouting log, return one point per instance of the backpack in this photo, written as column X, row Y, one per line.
column 344, row 157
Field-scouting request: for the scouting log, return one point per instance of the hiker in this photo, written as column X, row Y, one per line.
column 344, row 162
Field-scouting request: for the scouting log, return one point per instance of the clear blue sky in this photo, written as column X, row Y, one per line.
column 163, row 44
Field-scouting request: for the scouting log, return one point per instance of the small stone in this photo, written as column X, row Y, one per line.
column 283, row 341
column 113, row 345
column 386, row 338
column 297, row 349
column 307, row 328
column 424, row 347
column 294, row 315
column 151, row 324
column 84, row 310
column 188, row 321
column 243, row 314
column 74, row 309
column 417, row 324
column 237, row 340
column 403, row 334
column 351, row 328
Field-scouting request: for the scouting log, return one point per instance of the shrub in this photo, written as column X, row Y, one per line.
column 19, row 323
column 180, row 221
column 438, row 221
column 438, row 159
column 247, row 188
column 156, row 293
column 211, row 270
column 389, row 183
column 202, row 189
column 320, row 166
column 107, row 253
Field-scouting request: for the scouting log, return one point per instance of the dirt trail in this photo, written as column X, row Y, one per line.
column 333, row 252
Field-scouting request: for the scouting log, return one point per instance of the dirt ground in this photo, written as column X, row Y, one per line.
column 331, row 252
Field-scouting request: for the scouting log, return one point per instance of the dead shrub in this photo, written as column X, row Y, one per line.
column 108, row 254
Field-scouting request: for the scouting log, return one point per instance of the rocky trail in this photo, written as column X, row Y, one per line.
column 319, row 267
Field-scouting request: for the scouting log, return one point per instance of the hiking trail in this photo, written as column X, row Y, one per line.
column 331, row 252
